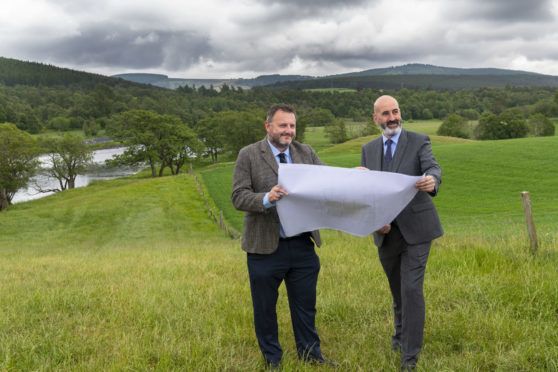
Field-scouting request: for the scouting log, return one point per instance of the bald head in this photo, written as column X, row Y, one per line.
column 387, row 115
column 383, row 101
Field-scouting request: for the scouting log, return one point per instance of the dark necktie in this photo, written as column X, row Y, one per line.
column 388, row 155
column 282, row 157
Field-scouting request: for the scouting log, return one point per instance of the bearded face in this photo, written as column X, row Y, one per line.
column 387, row 115
column 390, row 128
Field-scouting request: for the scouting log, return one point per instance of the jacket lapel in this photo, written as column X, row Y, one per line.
column 295, row 156
column 378, row 149
column 267, row 156
column 400, row 150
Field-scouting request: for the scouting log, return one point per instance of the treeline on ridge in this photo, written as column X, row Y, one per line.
column 64, row 100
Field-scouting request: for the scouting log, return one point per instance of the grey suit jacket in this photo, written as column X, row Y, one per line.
column 418, row 221
column 255, row 173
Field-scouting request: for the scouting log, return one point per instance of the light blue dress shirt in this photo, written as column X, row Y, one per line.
column 267, row 204
column 394, row 140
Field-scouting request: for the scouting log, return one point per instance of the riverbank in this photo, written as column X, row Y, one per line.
column 97, row 173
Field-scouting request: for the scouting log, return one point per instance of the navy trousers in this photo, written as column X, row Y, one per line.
column 296, row 263
column 404, row 265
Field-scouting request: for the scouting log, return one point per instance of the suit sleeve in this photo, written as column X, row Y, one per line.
column 429, row 165
column 243, row 196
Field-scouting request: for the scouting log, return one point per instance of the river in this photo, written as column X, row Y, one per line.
column 99, row 173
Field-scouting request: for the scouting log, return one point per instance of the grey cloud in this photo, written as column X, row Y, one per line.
column 322, row 4
column 286, row 11
column 509, row 10
column 114, row 45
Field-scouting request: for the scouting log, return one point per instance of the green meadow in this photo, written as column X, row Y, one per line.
column 133, row 274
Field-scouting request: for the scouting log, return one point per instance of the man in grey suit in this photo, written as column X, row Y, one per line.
column 272, row 257
column 404, row 244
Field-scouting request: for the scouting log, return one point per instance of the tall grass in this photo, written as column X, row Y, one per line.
column 132, row 274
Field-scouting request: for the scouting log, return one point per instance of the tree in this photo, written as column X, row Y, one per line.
column 539, row 126
column 177, row 144
column 506, row 125
column 427, row 114
column 18, row 161
column 336, row 131
column 453, row 126
column 68, row 157
column 208, row 130
column 240, row 128
column 470, row 114
column 158, row 140
column 319, row 117
column 59, row 123
column 370, row 127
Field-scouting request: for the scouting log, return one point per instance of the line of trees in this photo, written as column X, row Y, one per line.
column 160, row 141
column 67, row 157
column 509, row 124
column 41, row 108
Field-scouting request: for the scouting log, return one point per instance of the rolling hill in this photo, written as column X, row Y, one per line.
column 396, row 77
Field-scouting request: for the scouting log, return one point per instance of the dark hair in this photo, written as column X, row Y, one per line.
column 279, row 107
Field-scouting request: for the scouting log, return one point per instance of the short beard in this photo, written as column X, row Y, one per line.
column 388, row 131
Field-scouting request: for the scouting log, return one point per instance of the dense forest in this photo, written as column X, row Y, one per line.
column 423, row 81
column 165, row 128
column 37, row 98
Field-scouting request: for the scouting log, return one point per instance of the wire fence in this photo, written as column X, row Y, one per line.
column 216, row 216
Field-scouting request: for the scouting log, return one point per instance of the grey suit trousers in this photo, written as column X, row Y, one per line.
column 404, row 265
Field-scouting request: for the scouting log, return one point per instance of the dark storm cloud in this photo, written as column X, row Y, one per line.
column 115, row 45
column 281, row 11
column 321, row 4
column 507, row 11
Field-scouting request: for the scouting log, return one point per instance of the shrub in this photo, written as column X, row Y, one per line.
column 453, row 126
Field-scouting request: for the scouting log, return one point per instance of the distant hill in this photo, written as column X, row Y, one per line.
column 172, row 83
column 14, row 72
column 410, row 76
column 438, row 82
column 270, row 79
column 164, row 81
column 152, row 79
column 422, row 69
column 413, row 76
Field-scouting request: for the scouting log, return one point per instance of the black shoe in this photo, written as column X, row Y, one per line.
column 321, row 360
column 273, row 366
column 408, row 367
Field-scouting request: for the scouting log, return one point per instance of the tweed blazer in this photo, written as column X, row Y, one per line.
column 418, row 221
column 255, row 173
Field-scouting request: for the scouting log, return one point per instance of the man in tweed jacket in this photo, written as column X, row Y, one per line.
column 271, row 256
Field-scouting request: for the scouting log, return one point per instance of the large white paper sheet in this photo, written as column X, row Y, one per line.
column 352, row 200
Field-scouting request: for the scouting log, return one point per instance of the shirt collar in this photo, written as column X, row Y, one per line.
column 394, row 138
column 276, row 151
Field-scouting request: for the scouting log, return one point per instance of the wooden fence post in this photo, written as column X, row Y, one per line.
column 530, row 221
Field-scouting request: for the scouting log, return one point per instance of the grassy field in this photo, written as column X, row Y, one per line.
column 423, row 126
column 481, row 184
column 317, row 138
column 132, row 274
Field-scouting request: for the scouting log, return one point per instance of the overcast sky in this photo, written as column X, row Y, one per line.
column 247, row 38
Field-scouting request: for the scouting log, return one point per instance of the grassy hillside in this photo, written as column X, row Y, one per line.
column 481, row 184
column 132, row 274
